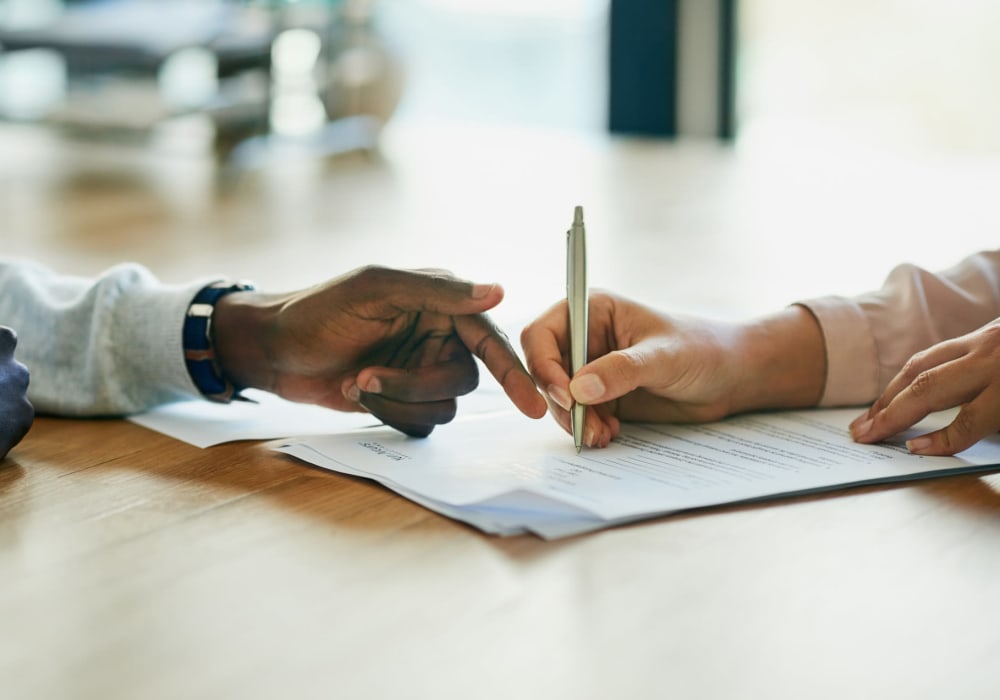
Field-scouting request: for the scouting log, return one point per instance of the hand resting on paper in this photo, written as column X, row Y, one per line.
column 963, row 371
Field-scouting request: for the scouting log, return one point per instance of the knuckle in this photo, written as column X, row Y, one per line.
column 371, row 273
column 498, row 332
column 438, row 273
column 482, row 348
column 946, row 442
column 965, row 423
column 961, row 433
column 913, row 366
column 432, row 276
column 622, row 368
column 526, row 334
column 991, row 332
column 370, row 270
column 990, row 345
column 923, row 384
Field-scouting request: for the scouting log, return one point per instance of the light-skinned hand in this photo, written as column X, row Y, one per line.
column 963, row 371
column 647, row 366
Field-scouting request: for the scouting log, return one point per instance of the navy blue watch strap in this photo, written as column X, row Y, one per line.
column 199, row 342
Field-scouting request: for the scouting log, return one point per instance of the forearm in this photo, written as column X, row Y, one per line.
column 784, row 362
column 97, row 347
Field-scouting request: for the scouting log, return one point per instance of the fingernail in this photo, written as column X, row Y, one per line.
column 373, row 386
column 480, row 291
column 560, row 396
column 587, row 389
column 862, row 428
column 918, row 444
column 588, row 437
column 353, row 393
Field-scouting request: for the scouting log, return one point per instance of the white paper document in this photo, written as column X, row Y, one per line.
column 507, row 474
column 266, row 416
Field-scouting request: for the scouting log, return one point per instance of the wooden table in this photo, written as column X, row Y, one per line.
column 135, row 566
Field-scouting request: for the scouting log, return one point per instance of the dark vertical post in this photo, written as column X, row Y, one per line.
column 728, row 33
column 642, row 56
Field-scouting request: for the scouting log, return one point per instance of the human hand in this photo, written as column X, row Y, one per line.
column 396, row 343
column 651, row 367
column 963, row 372
column 16, row 412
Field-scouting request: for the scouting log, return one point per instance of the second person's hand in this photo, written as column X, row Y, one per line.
column 648, row 366
column 962, row 371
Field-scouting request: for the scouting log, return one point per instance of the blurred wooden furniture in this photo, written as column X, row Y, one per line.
column 132, row 565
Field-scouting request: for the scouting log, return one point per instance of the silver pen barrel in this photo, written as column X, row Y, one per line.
column 576, row 292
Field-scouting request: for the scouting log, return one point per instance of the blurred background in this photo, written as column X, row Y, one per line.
column 902, row 74
column 916, row 75
column 727, row 138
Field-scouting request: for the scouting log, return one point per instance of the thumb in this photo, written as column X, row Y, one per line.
column 608, row 377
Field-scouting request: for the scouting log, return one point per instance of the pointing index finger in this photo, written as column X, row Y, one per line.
column 491, row 345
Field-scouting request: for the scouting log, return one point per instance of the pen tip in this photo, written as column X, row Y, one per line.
column 578, row 215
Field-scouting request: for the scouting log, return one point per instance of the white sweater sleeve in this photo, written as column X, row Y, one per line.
column 104, row 346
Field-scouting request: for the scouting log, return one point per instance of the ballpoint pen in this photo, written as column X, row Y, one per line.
column 576, row 296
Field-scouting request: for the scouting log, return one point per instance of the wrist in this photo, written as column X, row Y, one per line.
column 198, row 342
column 242, row 334
column 785, row 362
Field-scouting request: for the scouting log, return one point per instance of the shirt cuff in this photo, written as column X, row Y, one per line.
column 851, row 352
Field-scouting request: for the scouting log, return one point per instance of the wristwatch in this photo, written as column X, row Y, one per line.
column 199, row 342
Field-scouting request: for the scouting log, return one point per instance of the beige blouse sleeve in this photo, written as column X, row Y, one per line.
column 868, row 338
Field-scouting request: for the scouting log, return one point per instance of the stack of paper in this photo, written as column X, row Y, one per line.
column 507, row 474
